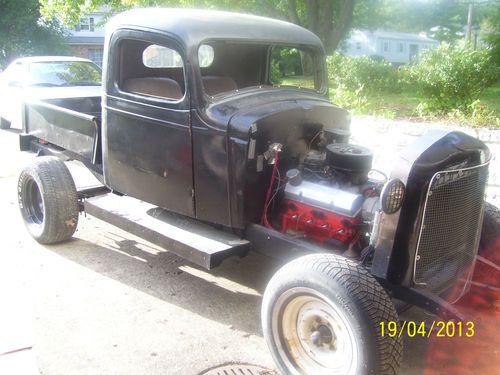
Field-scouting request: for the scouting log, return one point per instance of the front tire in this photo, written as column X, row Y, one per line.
column 321, row 314
column 488, row 254
column 48, row 200
column 490, row 233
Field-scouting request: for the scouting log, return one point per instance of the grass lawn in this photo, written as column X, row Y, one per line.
column 491, row 97
column 298, row 81
column 401, row 105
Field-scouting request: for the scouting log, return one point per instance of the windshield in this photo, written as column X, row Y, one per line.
column 64, row 73
column 227, row 67
column 292, row 67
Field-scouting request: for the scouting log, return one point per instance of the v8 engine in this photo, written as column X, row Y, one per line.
column 329, row 198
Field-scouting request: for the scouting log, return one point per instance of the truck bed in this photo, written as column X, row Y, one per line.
column 73, row 124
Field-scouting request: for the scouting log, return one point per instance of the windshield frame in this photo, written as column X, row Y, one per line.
column 319, row 63
column 319, row 66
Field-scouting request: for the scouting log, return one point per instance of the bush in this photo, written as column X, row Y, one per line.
column 276, row 76
column 451, row 77
column 354, row 101
column 354, row 79
column 353, row 73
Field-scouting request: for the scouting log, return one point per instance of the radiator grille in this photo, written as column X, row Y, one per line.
column 450, row 229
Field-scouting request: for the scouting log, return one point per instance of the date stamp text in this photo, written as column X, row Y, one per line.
column 435, row 328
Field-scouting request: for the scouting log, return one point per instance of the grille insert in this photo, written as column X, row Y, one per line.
column 450, row 229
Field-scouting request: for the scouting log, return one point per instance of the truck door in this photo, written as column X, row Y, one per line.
column 146, row 122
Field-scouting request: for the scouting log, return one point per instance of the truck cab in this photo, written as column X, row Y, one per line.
column 181, row 101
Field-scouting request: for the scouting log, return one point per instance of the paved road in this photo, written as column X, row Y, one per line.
column 109, row 303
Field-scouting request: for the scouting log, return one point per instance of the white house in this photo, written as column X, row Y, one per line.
column 397, row 48
column 86, row 39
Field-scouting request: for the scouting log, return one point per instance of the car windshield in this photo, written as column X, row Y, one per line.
column 64, row 73
column 227, row 67
column 292, row 67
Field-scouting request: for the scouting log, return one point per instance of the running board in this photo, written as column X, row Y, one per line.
column 188, row 238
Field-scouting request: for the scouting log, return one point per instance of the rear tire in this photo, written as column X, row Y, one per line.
column 48, row 200
column 4, row 124
column 321, row 314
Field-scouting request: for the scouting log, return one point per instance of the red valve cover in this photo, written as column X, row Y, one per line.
column 316, row 223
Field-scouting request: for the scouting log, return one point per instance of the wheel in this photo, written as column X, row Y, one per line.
column 488, row 259
column 48, row 200
column 321, row 314
column 490, row 233
column 4, row 124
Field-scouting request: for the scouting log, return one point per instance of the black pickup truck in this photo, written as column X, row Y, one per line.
column 214, row 137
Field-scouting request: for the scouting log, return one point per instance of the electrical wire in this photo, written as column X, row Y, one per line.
column 313, row 138
column 316, row 174
column 264, row 219
column 266, row 208
column 275, row 191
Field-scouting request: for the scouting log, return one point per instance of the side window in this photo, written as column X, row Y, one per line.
column 151, row 70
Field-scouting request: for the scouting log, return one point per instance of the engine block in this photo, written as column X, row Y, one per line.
column 317, row 224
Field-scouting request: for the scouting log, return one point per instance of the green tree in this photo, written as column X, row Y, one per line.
column 24, row 32
column 444, row 20
column 490, row 32
column 329, row 19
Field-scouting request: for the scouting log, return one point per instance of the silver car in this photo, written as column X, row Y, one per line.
column 44, row 77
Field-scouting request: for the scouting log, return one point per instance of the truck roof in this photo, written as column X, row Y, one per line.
column 193, row 26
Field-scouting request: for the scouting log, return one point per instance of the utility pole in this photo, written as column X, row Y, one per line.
column 470, row 17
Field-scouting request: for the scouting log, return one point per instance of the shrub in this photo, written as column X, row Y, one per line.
column 354, row 79
column 451, row 77
column 276, row 76
column 352, row 100
column 353, row 73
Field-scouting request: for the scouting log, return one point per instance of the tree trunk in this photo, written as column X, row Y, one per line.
column 328, row 19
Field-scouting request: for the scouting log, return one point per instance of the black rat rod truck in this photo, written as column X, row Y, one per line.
column 214, row 137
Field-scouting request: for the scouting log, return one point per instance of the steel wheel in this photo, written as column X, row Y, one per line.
column 33, row 209
column 313, row 335
column 321, row 315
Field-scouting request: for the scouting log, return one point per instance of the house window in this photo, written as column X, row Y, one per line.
column 358, row 45
column 95, row 54
column 401, row 47
column 385, row 46
column 85, row 24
